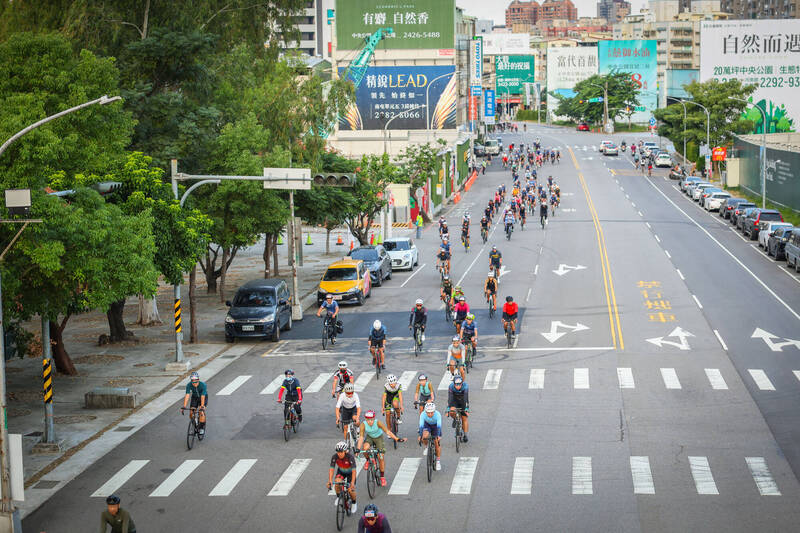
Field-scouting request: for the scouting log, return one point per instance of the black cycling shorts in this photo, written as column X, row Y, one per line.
column 509, row 318
column 195, row 401
column 376, row 342
column 492, row 290
column 347, row 414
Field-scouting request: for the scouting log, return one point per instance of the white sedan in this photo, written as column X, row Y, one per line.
column 766, row 230
column 713, row 202
column 403, row 253
column 663, row 160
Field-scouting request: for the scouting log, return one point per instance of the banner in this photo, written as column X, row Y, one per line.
column 639, row 58
column 568, row 66
column 763, row 52
column 417, row 24
column 511, row 72
column 506, row 43
column 489, row 106
column 476, row 61
column 677, row 79
column 417, row 93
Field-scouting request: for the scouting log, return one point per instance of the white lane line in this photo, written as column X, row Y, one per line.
column 528, row 297
column 363, row 380
column 273, row 385
column 492, row 380
column 405, row 476
column 796, row 374
column 553, row 349
column 657, row 239
column 580, row 378
column 762, row 476
column 446, row 380
column 536, row 380
column 668, row 256
column 120, row 478
column 719, row 338
column 622, row 189
column 465, row 471
column 581, row 475
column 640, row 214
column 176, row 478
column 670, row 378
column 233, row 477
column 680, row 274
column 289, row 477
column 715, row 378
column 641, row 474
column 701, row 472
column 522, row 480
column 273, row 351
column 697, row 301
column 228, row 389
column 761, row 379
column 319, row 382
column 479, row 254
column 634, row 205
column 625, row 377
column 648, row 225
column 627, row 197
column 405, row 379
column 770, row 291
column 536, row 270
column 412, row 275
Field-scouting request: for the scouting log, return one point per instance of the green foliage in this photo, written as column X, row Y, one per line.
column 622, row 93
column 417, row 164
column 374, row 173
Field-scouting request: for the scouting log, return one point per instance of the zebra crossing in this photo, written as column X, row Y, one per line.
column 522, row 481
column 492, row 379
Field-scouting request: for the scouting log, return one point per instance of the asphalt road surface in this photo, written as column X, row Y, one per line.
column 636, row 398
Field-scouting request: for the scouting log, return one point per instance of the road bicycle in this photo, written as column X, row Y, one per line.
column 458, row 424
column 376, row 360
column 469, row 355
column 509, row 230
column 543, row 220
column 417, row 339
column 491, row 305
column 465, row 242
column 351, row 434
column 194, row 426
column 553, row 209
column 291, row 421
column 373, row 472
column 393, row 423
column 343, row 503
column 484, row 235
column 328, row 330
column 509, row 336
column 522, row 223
column 448, row 312
column 430, row 455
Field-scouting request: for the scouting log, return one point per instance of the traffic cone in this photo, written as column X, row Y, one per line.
column 380, row 238
column 280, row 238
column 339, row 241
column 308, row 239
column 371, row 239
column 351, row 245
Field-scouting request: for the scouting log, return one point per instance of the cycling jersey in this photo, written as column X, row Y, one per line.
column 510, row 308
column 381, row 525
column 509, row 219
column 197, row 392
column 495, row 257
column 373, row 430
column 292, row 389
column 343, row 465
column 391, row 394
column 418, row 316
column 445, row 246
column 455, row 352
column 330, row 307
column 348, row 402
column 543, row 210
column 461, row 309
column 431, row 423
column 467, row 329
column 343, row 377
column 458, row 398
column 377, row 335
column 491, row 285
column 447, row 287
column 485, row 224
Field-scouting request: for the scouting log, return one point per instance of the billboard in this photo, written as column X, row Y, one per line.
column 419, row 94
column 489, row 105
column 512, row 72
column 506, row 43
column 568, row 66
column 417, row 24
column 476, row 61
column 677, row 79
column 638, row 57
column 762, row 52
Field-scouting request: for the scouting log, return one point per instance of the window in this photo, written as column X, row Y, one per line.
column 254, row 298
column 340, row 274
column 367, row 254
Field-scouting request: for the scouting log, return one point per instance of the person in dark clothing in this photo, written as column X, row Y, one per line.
column 115, row 516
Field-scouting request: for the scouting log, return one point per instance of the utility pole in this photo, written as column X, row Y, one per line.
column 605, row 105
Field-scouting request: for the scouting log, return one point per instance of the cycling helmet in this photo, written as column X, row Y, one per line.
column 462, row 299
column 289, row 372
column 113, row 500
column 194, row 376
column 470, row 317
column 391, row 378
column 418, row 302
column 509, row 298
column 341, row 446
column 446, row 277
column 444, row 222
column 430, row 407
column 422, row 377
column 369, row 414
column 376, row 324
column 494, row 247
column 371, row 510
column 491, row 273
column 458, row 380
column 329, row 296
column 342, row 364
column 349, row 388
column 456, row 338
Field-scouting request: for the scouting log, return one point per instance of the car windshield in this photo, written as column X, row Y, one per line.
column 340, row 274
column 365, row 255
column 396, row 245
column 770, row 216
column 254, row 298
column 491, row 142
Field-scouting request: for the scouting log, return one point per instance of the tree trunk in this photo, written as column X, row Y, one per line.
column 193, row 304
column 328, row 240
column 224, row 271
column 209, row 271
column 60, row 356
column 146, row 18
column 275, row 272
column 116, row 324
column 147, row 314
column 268, row 239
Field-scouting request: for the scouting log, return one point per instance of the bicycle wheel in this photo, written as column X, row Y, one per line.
column 324, row 337
column 190, row 434
column 372, row 481
column 393, row 427
column 509, row 337
column 295, row 423
column 377, row 367
column 286, row 430
column 458, row 434
column 341, row 510
column 431, row 458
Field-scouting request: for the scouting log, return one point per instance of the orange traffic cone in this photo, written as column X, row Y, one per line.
column 371, row 239
column 351, row 245
column 339, row 241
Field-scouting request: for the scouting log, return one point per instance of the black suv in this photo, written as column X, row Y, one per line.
column 377, row 260
column 777, row 242
column 260, row 308
column 751, row 225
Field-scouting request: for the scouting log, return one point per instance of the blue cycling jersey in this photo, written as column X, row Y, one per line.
column 436, row 420
column 469, row 329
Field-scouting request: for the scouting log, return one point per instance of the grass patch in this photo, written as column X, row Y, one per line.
column 623, row 126
column 793, row 217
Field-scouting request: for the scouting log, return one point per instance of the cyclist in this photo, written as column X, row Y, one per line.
column 495, row 260
column 370, row 433
column 543, row 213
column 510, row 312
column 485, row 223
column 392, row 397
column 553, row 203
column 444, row 253
column 458, row 398
column 291, row 387
column 418, row 317
column 522, row 215
column 424, row 392
column 332, row 310
column 509, row 219
column 444, row 231
column 373, row 521
column 341, row 377
column 490, row 289
column 197, row 392
column 446, row 290
column 377, row 343
column 348, row 408
column 469, row 332
column 465, row 231
column 115, row 516
column 430, row 426
column 458, row 292
column 456, row 354
column 489, row 210
column 343, row 464
column 461, row 310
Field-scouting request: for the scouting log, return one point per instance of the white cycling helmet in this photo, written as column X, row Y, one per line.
column 391, row 378
column 342, row 364
column 376, row 324
column 341, row 446
column 349, row 388
column 491, row 273
column 418, row 302
column 430, row 407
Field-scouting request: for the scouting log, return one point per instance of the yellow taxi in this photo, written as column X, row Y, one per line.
column 346, row 280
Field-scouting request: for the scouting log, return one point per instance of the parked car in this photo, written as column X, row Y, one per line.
column 647, row 147
column 260, row 308
column 739, row 210
column 479, row 150
column 611, row 149
column 603, row 145
column 766, row 229
column 377, row 260
column 403, row 252
column 663, row 160
column 727, row 206
column 752, row 224
column 705, row 194
column 688, row 180
column 714, row 201
column 693, row 185
column 792, row 250
column 776, row 243
column 492, row 146
column 698, row 189
column 742, row 218
column 347, row 280
column 583, row 127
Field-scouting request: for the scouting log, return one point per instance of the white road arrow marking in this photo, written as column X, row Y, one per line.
column 774, row 346
column 503, row 272
column 565, row 269
column 679, row 333
column 568, row 210
column 553, row 335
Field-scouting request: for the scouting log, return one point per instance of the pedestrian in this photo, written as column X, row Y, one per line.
column 483, row 167
column 419, row 225
column 115, row 516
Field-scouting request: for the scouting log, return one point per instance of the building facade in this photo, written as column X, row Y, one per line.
column 558, row 9
column 315, row 29
column 761, row 9
column 532, row 12
column 613, row 10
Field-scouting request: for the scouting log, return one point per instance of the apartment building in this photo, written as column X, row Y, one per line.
column 761, row 9
column 315, row 29
column 532, row 12
column 613, row 10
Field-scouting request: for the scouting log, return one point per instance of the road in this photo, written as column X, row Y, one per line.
column 636, row 398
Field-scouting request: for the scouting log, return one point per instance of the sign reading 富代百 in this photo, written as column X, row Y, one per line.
column 638, row 57
column 566, row 66
column 512, row 72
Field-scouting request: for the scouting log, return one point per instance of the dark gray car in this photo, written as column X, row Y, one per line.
column 777, row 242
column 377, row 260
column 260, row 308
column 742, row 217
column 739, row 210
column 728, row 205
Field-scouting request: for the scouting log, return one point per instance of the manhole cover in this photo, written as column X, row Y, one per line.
column 25, row 396
column 123, row 428
column 97, row 359
column 73, row 419
column 167, row 470
column 140, row 365
column 46, row 484
column 124, row 382
column 17, row 411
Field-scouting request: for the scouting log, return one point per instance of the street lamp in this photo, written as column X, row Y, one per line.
column 604, row 88
column 763, row 151
column 708, row 121
column 400, row 114
column 684, row 124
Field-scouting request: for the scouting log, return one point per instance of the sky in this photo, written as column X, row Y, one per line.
column 496, row 10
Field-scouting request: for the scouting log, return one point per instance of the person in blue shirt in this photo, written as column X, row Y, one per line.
column 458, row 398
column 376, row 342
column 509, row 220
column 197, row 392
column 469, row 332
column 293, row 394
column 332, row 308
column 430, row 426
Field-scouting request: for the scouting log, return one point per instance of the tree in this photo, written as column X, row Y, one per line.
column 374, row 173
column 622, row 93
column 416, row 165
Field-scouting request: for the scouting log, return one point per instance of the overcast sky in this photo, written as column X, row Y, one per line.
column 496, row 9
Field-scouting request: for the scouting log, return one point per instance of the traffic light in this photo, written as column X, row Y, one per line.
column 330, row 179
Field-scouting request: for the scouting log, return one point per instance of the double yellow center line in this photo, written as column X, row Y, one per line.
column 608, row 281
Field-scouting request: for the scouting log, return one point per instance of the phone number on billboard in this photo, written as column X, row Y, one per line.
column 389, row 114
column 769, row 82
column 421, row 35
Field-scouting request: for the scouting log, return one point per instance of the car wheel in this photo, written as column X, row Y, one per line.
column 361, row 298
column 276, row 333
column 288, row 323
column 389, row 275
column 229, row 339
column 379, row 281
